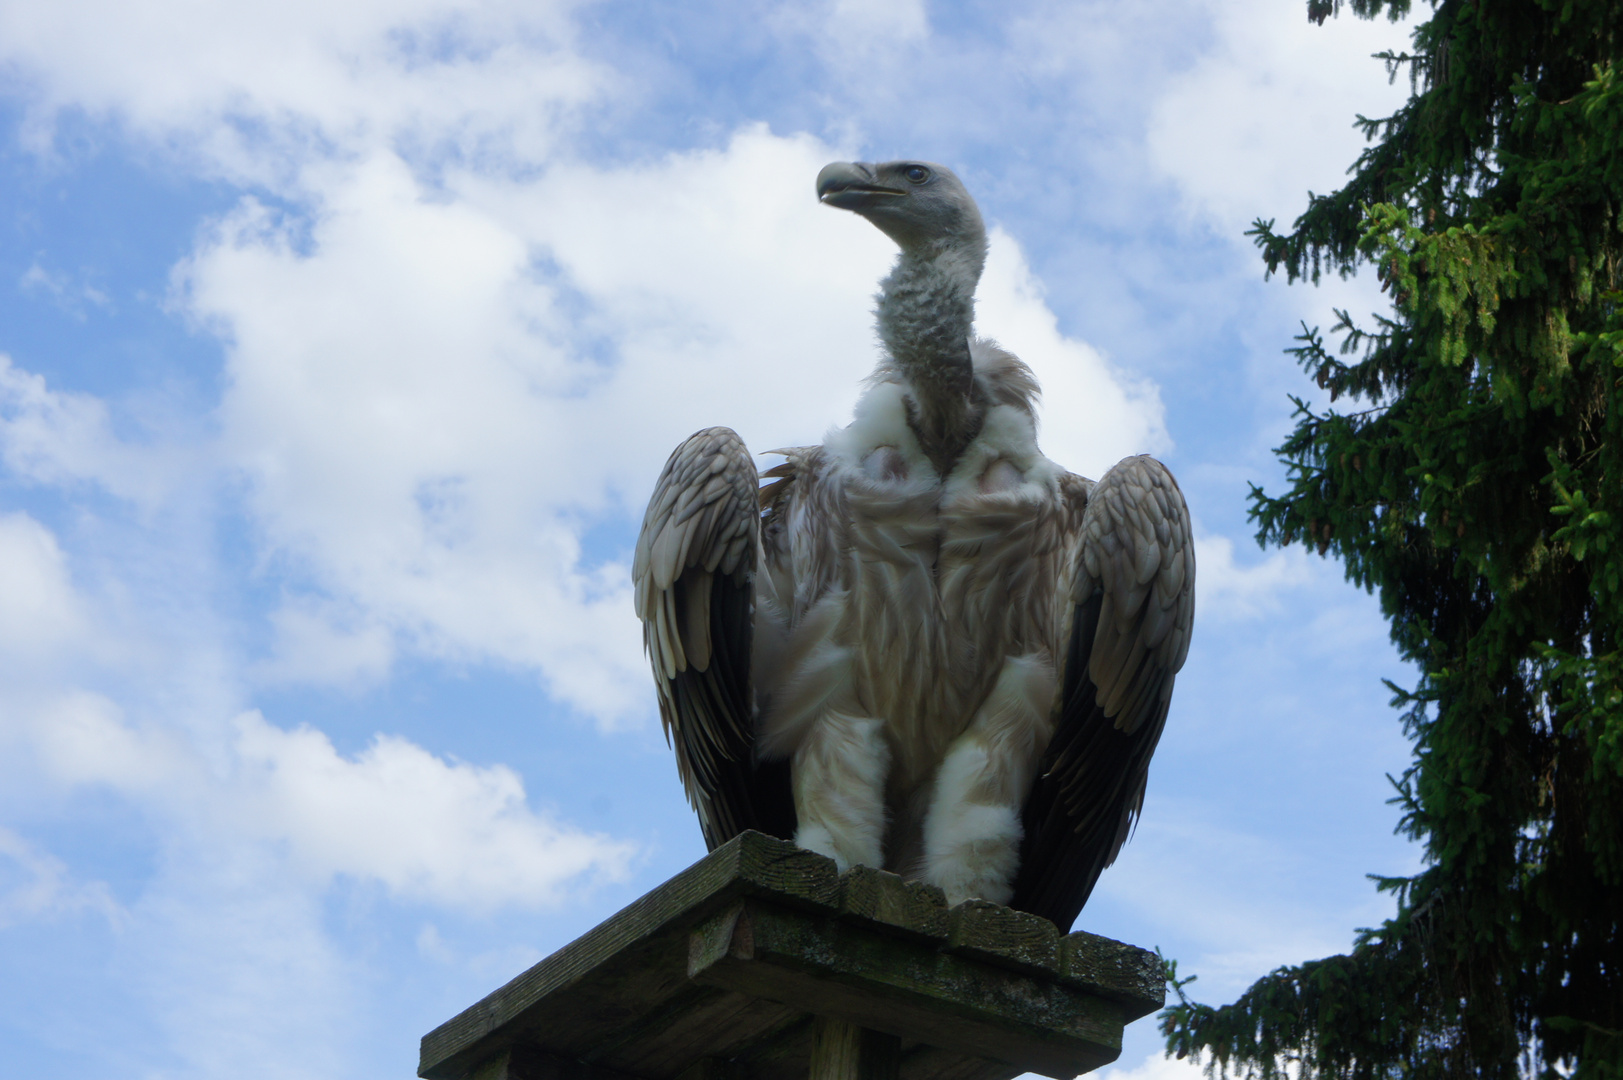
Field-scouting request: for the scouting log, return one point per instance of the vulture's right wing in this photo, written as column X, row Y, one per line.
column 1132, row 603
column 694, row 574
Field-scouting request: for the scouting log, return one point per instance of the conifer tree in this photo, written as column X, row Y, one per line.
column 1468, row 468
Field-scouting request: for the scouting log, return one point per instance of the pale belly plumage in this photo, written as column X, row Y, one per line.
column 915, row 685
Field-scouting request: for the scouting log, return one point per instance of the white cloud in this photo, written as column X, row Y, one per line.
column 450, row 833
column 856, row 30
column 862, row 39
column 887, row 18
column 64, row 438
column 229, row 957
column 435, row 387
column 45, row 888
column 455, row 835
column 227, row 941
column 434, row 394
column 256, row 90
column 82, row 738
column 411, row 433
column 69, row 295
column 320, row 643
column 730, row 295
column 1156, row 1066
column 40, row 611
column 1244, row 932
column 1092, row 415
column 491, row 965
column 1264, row 115
column 1224, row 589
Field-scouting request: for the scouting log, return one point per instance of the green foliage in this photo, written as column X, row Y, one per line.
column 1478, row 489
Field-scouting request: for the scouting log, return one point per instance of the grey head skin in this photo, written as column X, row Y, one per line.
column 919, row 204
column 926, row 306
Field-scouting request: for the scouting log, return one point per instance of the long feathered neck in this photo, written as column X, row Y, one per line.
column 926, row 312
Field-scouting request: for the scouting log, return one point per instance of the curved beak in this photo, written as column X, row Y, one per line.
column 851, row 185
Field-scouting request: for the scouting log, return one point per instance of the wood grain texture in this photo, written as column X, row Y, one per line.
column 1006, row 937
column 888, row 983
column 911, row 908
column 633, row 975
column 1114, row 970
column 726, row 971
column 842, row 1051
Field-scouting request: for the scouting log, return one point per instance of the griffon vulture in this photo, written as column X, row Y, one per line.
column 924, row 646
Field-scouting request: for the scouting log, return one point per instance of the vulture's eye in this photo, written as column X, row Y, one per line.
column 918, row 174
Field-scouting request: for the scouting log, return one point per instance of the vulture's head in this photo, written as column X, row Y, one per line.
column 920, row 205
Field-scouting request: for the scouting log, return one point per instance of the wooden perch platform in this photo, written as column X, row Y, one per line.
column 760, row 962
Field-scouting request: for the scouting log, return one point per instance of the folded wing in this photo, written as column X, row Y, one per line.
column 1132, row 603
column 694, row 570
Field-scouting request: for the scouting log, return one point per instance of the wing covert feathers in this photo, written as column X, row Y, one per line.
column 694, row 579
column 1132, row 601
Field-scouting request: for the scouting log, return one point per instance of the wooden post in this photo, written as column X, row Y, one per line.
column 842, row 1051
column 761, row 962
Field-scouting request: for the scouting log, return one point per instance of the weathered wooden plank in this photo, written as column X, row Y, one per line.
column 843, row 1051
column 751, row 863
column 715, row 1027
column 781, row 1054
column 732, row 961
column 891, row 901
column 1004, row 936
column 830, row 968
column 1114, row 970
column 673, row 1021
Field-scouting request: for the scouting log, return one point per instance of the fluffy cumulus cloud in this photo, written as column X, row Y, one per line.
column 1156, row 1066
column 433, row 390
column 438, row 375
column 1091, row 415
column 457, row 835
column 255, row 91
column 62, row 438
column 1263, row 116
column 451, row 833
column 228, row 944
column 1227, row 589
column 39, row 610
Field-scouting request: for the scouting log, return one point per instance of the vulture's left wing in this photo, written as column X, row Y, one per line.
column 1133, row 603
column 694, row 574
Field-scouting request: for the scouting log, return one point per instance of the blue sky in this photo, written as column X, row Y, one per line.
column 340, row 345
